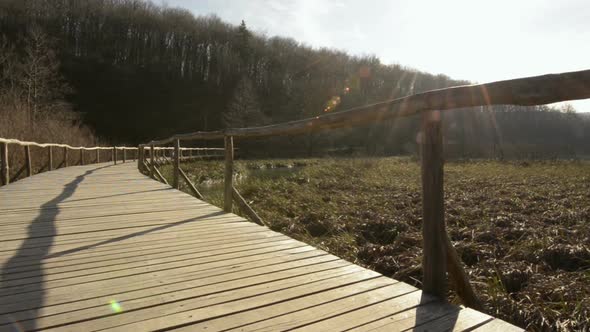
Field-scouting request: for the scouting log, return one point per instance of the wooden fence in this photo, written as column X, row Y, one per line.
column 48, row 161
column 439, row 256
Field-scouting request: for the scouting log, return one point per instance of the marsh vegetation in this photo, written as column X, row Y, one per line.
column 521, row 228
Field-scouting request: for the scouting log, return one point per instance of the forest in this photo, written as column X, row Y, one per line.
column 128, row 71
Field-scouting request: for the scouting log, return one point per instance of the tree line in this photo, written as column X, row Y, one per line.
column 132, row 70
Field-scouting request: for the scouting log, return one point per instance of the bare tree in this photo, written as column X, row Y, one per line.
column 43, row 83
column 244, row 109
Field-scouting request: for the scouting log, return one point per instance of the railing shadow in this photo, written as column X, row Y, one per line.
column 43, row 226
column 435, row 315
column 133, row 235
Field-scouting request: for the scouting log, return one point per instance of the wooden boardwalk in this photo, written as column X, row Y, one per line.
column 102, row 247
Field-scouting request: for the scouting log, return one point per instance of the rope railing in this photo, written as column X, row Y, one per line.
column 439, row 256
column 47, row 162
column 56, row 145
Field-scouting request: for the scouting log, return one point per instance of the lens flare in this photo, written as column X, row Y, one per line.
column 115, row 306
column 332, row 103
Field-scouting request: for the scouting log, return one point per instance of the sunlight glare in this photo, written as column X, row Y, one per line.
column 115, row 306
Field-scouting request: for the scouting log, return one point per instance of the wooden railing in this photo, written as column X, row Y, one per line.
column 6, row 146
column 156, row 156
column 439, row 256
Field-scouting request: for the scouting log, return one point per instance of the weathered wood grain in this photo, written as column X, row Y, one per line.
column 229, row 174
column 190, row 184
column 50, row 158
column 434, row 267
column 28, row 161
column 246, row 208
column 5, row 165
column 176, row 182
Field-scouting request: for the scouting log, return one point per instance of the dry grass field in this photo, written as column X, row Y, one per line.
column 522, row 229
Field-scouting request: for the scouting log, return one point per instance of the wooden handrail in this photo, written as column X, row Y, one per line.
column 439, row 255
column 46, row 145
column 528, row 91
column 28, row 165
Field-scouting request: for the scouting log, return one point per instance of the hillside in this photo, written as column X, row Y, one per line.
column 138, row 70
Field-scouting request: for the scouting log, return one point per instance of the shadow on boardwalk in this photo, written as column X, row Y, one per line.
column 29, row 257
column 435, row 315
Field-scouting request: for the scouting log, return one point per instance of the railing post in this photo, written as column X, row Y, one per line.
column 434, row 261
column 98, row 155
column 152, row 165
column 5, row 168
column 177, row 164
column 28, row 160
column 115, row 155
column 229, row 161
column 50, row 158
column 124, row 155
column 81, row 156
column 65, row 157
column 139, row 158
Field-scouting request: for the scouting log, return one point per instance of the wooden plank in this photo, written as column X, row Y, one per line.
column 89, row 266
column 465, row 319
column 63, row 300
column 168, row 316
column 29, row 268
column 71, row 279
column 67, row 252
column 114, row 235
column 208, row 289
column 306, row 310
column 70, row 244
column 398, row 314
column 497, row 325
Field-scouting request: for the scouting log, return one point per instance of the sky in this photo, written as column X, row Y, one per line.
column 476, row 40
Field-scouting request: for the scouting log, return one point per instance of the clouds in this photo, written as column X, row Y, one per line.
column 465, row 39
